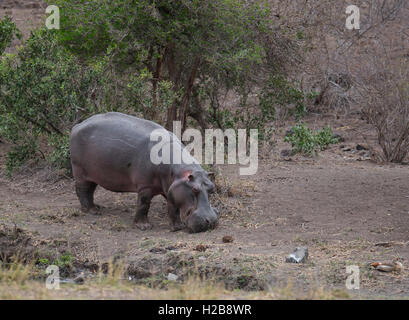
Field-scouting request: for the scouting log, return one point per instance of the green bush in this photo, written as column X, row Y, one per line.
column 44, row 90
column 280, row 92
column 140, row 100
column 60, row 156
column 8, row 31
column 304, row 140
column 19, row 154
column 182, row 47
column 163, row 60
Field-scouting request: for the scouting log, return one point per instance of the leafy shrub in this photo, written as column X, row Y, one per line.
column 184, row 47
column 279, row 93
column 304, row 140
column 140, row 100
column 65, row 260
column 44, row 90
column 384, row 97
column 19, row 154
column 325, row 137
column 8, row 31
column 60, row 156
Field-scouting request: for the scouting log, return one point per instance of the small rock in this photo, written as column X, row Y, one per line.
column 201, row 248
column 227, row 239
column 383, row 244
column 157, row 250
column 299, row 255
column 360, row 147
column 346, row 149
column 172, row 277
column 79, row 279
column 287, row 153
column 289, row 132
column 339, row 137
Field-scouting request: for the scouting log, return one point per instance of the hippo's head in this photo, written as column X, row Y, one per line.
column 190, row 194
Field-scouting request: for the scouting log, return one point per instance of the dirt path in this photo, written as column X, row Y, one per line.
column 341, row 210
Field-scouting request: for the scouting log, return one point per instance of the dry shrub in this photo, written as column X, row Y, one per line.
column 384, row 97
column 15, row 271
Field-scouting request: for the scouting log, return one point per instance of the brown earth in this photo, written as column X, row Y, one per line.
column 346, row 209
column 347, row 212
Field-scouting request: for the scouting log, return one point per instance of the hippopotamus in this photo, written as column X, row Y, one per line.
column 112, row 150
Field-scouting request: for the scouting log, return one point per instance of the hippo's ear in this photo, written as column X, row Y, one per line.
column 175, row 183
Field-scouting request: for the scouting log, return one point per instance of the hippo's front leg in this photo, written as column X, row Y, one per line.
column 141, row 217
column 174, row 216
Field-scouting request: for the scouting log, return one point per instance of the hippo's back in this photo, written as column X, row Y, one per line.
column 112, row 150
column 116, row 123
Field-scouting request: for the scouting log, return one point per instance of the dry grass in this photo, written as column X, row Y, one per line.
column 192, row 289
column 16, row 282
column 15, row 272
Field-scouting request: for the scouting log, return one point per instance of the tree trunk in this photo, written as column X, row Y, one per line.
column 174, row 77
column 155, row 80
column 188, row 92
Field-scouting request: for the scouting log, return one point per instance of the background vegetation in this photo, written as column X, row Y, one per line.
column 223, row 63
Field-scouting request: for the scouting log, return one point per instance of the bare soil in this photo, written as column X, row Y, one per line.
column 345, row 208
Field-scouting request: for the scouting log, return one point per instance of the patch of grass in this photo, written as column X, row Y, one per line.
column 65, row 260
column 111, row 273
column 306, row 141
column 15, row 272
column 44, row 261
column 147, row 243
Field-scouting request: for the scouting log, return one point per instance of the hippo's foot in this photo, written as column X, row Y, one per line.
column 177, row 226
column 145, row 225
column 94, row 209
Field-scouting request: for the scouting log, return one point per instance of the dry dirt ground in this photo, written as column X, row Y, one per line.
column 346, row 211
column 345, row 208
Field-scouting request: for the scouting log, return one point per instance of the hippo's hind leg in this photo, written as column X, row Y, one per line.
column 141, row 217
column 85, row 192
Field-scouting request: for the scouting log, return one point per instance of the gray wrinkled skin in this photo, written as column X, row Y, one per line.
column 113, row 150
